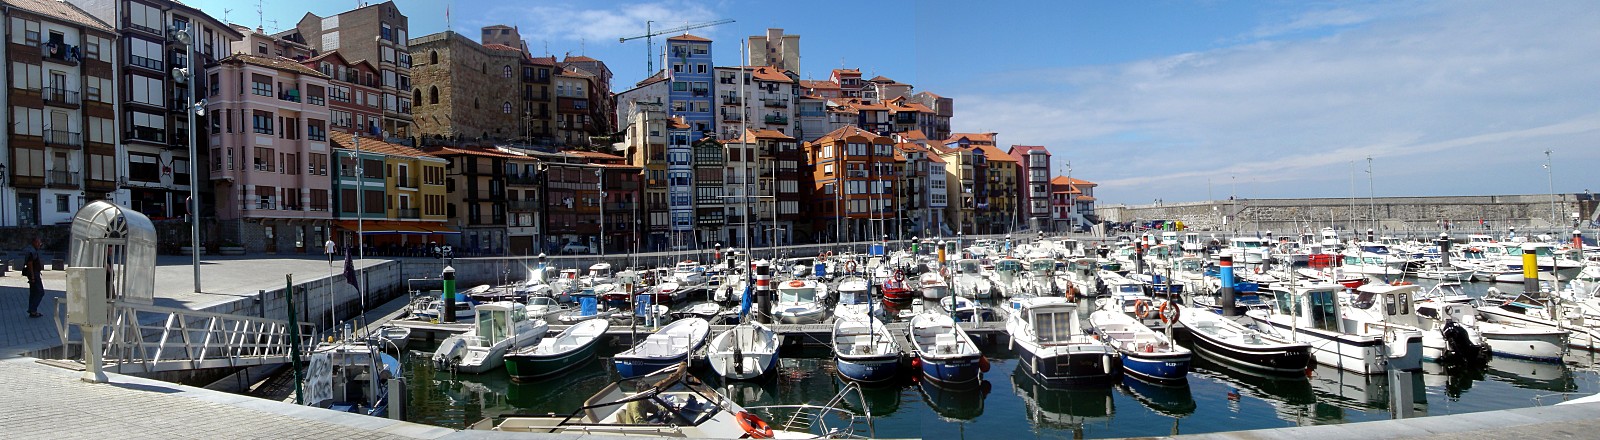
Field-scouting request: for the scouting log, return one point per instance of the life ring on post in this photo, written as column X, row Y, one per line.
column 850, row 267
column 1168, row 318
column 1141, row 309
column 944, row 271
column 899, row 275
column 753, row 425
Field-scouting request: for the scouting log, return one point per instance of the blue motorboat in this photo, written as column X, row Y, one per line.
column 945, row 354
column 1146, row 353
column 864, row 349
column 669, row 346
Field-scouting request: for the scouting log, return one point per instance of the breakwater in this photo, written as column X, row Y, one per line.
column 1463, row 213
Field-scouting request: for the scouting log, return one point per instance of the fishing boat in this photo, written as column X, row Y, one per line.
column 1525, row 329
column 573, row 347
column 1146, row 353
column 945, row 354
column 666, row 347
column 1007, row 277
column 500, row 327
column 864, row 350
column 599, row 273
column 746, row 351
column 896, row 289
column 674, row 403
column 1311, row 313
column 934, row 285
column 360, row 377
column 1436, row 271
column 1232, row 342
column 969, row 280
column 1050, row 343
column 800, row 302
column 854, row 296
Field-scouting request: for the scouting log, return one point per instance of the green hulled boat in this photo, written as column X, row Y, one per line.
column 571, row 348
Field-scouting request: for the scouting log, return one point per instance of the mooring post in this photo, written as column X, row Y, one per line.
column 1225, row 269
column 1530, row 274
column 448, row 314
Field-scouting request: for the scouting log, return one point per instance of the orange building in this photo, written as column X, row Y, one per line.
column 853, row 174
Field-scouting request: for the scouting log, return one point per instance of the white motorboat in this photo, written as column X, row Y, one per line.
column 599, row 273
column 1051, row 343
column 947, row 355
column 1007, row 277
column 1232, row 342
column 969, row 280
column 746, row 351
column 1435, row 271
column 1311, row 313
column 854, row 296
column 671, row 345
column 500, row 327
column 1449, row 331
column 800, row 302
column 1374, row 259
column 934, row 285
column 864, row 350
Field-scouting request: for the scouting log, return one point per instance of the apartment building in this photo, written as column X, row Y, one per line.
column 153, row 114
column 755, row 98
column 524, row 197
column 397, row 192
column 601, row 110
column 647, row 149
column 1072, row 203
column 579, row 211
column 269, row 151
column 575, row 117
column 687, row 65
column 1033, row 186
column 943, row 109
column 375, row 33
column 776, row 49
column 476, row 200
column 709, row 163
column 62, row 112
column 1002, row 215
column 853, row 185
column 354, row 94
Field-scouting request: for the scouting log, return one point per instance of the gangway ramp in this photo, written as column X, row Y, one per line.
column 149, row 339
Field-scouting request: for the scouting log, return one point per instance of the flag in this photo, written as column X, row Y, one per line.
column 350, row 269
column 744, row 302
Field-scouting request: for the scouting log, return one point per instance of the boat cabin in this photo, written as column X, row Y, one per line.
column 495, row 321
column 797, row 291
column 1007, row 269
column 1054, row 321
column 1312, row 306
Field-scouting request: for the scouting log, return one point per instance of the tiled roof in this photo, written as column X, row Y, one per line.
column 498, row 46
column 846, row 131
column 847, row 71
column 374, row 145
column 61, row 10
column 818, row 84
column 578, row 59
column 914, row 135
column 995, row 155
column 914, row 107
column 687, row 37
column 468, row 151
column 975, row 137
column 543, row 61
column 1064, row 180
column 279, row 63
column 881, row 79
column 593, row 155
column 767, row 73
column 762, row 134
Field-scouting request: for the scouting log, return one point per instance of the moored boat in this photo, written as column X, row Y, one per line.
column 666, row 347
column 1238, row 345
column 1145, row 353
column 571, row 348
column 1051, row 344
column 746, row 351
column 945, row 354
column 864, row 350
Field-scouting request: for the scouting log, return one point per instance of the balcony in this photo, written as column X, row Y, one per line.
column 60, row 53
column 522, row 205
column 731, row 100
column 148, row 63
column 732, row 117
column 775, row 119
column 701, row 92
column 63, row 138
column 61, row 179
column 147, row 134
column 267, row 203
column 856, row 173
column 522, row 179
column 776, row 103
column 406, row 182
column 61, row 97
column 408, row 213
column 290, row 95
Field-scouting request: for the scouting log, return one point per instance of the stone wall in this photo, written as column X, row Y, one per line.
column 471, row 85
column 1392, row 213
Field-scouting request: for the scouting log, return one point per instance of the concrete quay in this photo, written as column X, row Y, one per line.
column 1392, row 213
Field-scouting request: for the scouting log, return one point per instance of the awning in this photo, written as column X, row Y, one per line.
column 381, row 227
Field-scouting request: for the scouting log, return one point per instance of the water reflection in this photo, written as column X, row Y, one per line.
column 1543, row 376
column 1171, row 400
column 954, row 405
column 1062, row 408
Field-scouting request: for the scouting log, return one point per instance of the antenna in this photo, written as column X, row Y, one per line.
column 260, row 16
column 225, row 15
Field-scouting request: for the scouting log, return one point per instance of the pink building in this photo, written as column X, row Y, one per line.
column 269, row 152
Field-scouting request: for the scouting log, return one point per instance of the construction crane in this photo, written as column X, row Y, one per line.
column 649, row 55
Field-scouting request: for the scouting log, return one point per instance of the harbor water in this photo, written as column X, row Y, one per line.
column 1215, row 398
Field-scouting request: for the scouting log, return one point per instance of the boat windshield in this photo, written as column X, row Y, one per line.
column 802, row 294
column 1053, row 327
column 969, row 266
column 1044, row 265
column 1128, row 288
column 541, row 301
column 854, row 297
column 1008, row 266
column 1375, row 249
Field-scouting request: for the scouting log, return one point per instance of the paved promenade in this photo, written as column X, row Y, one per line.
column 222, row 278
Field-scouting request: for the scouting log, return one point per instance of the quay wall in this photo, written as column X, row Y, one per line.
column 1393, row 214
column 313, row 297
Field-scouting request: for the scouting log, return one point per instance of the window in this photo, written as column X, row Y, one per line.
column 318, row 164
column 102, row 167
column 261, row 85
column 505, row 72
column 505, row 107
column 433, row 57
column 142, row 167
column 433, row 94
column 180, row 171
column 263, row 159
column 262, row 122
column 680, row 86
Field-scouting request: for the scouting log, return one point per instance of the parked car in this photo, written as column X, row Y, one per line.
column 574, row 248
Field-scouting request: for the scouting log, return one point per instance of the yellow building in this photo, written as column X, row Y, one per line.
column 412, row 198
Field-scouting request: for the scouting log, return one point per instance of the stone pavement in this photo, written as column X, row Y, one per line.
column 223, row 279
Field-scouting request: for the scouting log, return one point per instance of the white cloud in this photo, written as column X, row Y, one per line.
column 1432, row 93
column 585, row 21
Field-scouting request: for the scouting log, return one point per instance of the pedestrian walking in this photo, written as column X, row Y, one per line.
column 327, row 248
column 32, row 268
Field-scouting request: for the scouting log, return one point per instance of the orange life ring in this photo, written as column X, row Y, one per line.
column 899, row 276
column 944, row 271
column 796, row 283
column 1166, row 318
column 1072, row 292
column 753, row 425
column 1141, row 309
column 850, row 267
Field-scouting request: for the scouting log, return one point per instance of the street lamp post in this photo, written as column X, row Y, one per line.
column 188, row 75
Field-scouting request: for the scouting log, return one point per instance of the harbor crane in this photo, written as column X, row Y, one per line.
column 649, row 61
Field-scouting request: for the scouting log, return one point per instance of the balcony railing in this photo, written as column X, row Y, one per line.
column 730, row 100
column 406, row 181
column 408, row 213
column 522, row 205
column 776, row 103
column 701, row 92
column 266, row 203
column 60, row 96
column 61, row 179
column 148, row 63
column 771, row 119
column 148, row 134
column 63, row 138
column 521, row 179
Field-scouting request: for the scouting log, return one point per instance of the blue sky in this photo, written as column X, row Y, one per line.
column 1155, row 99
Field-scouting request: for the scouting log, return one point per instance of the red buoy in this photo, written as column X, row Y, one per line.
column 983, row 363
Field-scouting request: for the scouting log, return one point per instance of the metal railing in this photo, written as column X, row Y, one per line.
column 147, row 339
column 776, row 119
column 408, row 213
column 406, row 181
column 522, row 205
column 63, row 138
column 61, row 178
column 61, row 96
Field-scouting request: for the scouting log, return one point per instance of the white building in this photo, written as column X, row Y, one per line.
column 763, row 96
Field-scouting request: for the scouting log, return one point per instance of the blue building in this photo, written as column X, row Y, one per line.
column 680, row 184
column 687, row 63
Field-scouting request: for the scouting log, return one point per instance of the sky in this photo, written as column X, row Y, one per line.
column 1164, row 100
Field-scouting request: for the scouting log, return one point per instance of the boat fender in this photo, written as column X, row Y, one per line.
column 850, row 267
column 983, row 364
column 1311, row 365
column 1105, row 363
column 916, row 363
column 1141, row 309
column 753, row 425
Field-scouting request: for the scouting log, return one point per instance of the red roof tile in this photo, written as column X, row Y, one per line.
column 375, row 145
column 279, row 63
column 687, row 37
column 497, row 46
